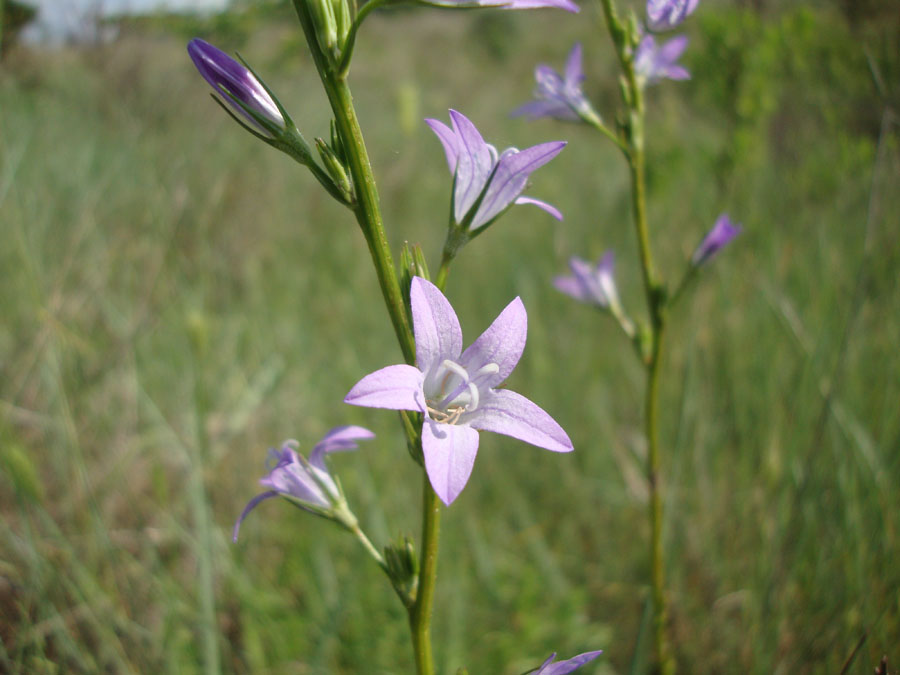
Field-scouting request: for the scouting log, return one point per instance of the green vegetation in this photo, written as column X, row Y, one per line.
column 176, row 297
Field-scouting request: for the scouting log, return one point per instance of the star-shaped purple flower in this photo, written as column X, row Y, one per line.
column 593, row 284
column 567, row 5
column 666, row 14
column 652, row 63
column 722, row 232
column 307, row 483
column 567, row 666
column 487, row 183
column 559, row 96
column 237, row 86
column 456, row 390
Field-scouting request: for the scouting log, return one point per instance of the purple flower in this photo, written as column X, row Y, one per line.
column 666, row 14
column 652, row 63
column 456, row 390
column 307, row 483
column 593, row 284
column 559, row 96
column 485, row 183
column 238, row 86
column 567, row 666
column 721, row 233
column 567, row 5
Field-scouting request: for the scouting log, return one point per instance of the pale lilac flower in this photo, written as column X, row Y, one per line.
column 487, row 183
column 559, row 96
column 652, row 63
column 307, row 483
column 238, row 86
column 667, row 14
column 593, row 284
column 456, row 390
column 567, row 5
column 567, row 666
column 721, row 233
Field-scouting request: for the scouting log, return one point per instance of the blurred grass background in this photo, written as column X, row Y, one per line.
column 177, row 297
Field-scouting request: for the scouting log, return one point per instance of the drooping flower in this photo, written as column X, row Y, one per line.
column 567, row 666
column 559, row 96
column 487, row 183
column 457, row 390
column 722, row 232
column 307, row 483
column 593, row 284
column 567, row 5
column 239, row 88
column 667, row 14
column 652, row 63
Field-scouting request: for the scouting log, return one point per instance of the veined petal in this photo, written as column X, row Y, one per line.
column 510, row 177
column 394, row 387
column 449, row 451
column 436, row 327
column 247, row 509
column 339, row 439
column 549, row 208
column 448, row 139
column 506, row 412
column 574, row 71
column 502, row 343
column 567, row 666
column 474, row 165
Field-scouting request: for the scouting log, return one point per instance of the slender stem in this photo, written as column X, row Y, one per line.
column 443, row 272
column 370, row 549
column 350, row 42
column 420, row 612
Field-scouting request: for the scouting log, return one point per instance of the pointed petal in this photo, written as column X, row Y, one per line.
column 436, row 327
column 672, row 50
column 449, row 457
column 574, row 71
column 549, row 208
column 569, row 665
column 573, row 288
column 394, row 387
column 506, row 412
column 510, row 177
column 448, row 139
column 536, row 109
column 474, row 165
column 502, row 343
column 247, row 509
column 338, row 439
column 567, row 5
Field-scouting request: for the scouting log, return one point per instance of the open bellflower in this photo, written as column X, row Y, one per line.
column 667, row 14
column 456, row 390
column 722, row 232
column 238, row 87
column 567, row 666
column 307, row 483
column 487, row 183
column 567, row 5
column 592, row 284
column 653, row 63
column 559, row 96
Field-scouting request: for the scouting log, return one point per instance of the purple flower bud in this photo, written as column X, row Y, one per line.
column 721, row 233
column 653, row 63
column 666, row 14
column 238, row 87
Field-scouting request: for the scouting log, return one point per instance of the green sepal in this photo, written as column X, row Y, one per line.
column 402, row 566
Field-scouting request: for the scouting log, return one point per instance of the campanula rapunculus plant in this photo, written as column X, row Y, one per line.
column 240, row 88
column 721, row 233
column 486, row 182
column 667, row 14
column 549, row 667
column 307, row 483
column 456, row 390
column 653, row 62
column 559, row 96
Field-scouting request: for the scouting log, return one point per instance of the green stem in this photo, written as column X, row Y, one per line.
column 420, row 612
column 370, row 549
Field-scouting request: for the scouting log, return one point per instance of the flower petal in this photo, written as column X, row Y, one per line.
column 510, row 177
column 394, row 387
column 474, row 164
column 436, row 327
column 449, row 457
column 506, row 412
column 574, row 71
column 338, row 439
column 536, row 109
column 567, row 666
column 502, row 344
column 549, row 208
column 247, row 509
column 572, row 287
column 448, row 139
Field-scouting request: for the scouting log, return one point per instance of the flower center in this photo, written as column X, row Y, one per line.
column 452, row 391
